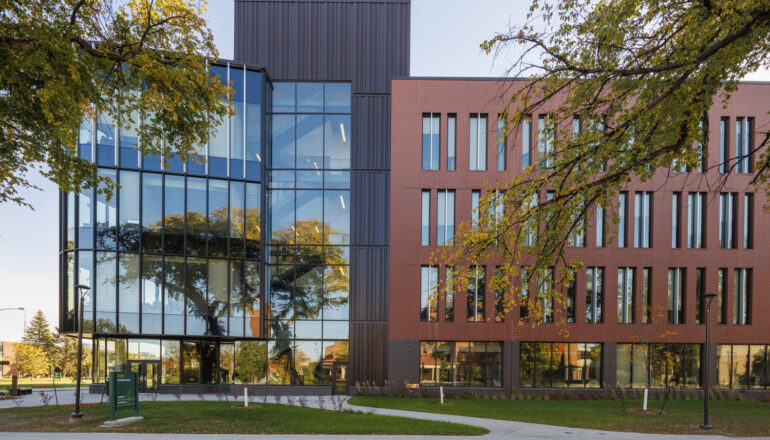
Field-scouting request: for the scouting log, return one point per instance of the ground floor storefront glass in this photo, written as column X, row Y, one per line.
column 476, row 364
column 559, row 365
column 743, row 366
column 196, row 361
column 658, row 365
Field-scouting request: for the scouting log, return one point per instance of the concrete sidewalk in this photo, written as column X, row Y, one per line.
column 498, row 429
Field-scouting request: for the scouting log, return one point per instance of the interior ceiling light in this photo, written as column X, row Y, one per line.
column 342, row 130
column 342, row 201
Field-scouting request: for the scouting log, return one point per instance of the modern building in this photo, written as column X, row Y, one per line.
column 296, row 259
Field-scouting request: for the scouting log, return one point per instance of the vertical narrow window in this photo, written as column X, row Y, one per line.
column 626, row 295
column 449, row 302
column 702, row 151
column 475, row 214
column 742, row 296
column 642, row 219
column 478, row 141
column 531, row 224
column 501, row 143
column 425, row 222
column 594, row 300
column 695, row 218
column 237, row 123
column 676, row 277
column 726, row 220
column 724, row 144
column 577, row 237
column 85, row 139
column 430, row 141
column 428, row 293
column 600, row 224
column 451, row 142
column 622, row 227
column 446, row 217
column 571, row 299
column 646, row 297
column 748, row 221
column 700, row 286
column 495, row 209
column 545, row 294
column 105, row 140
column 475, row 292
column 743, row 145
column 721, row 296
column 676, row 202
column 499, row 294
column 526, row 141
column 545, row 134
column 524, row 295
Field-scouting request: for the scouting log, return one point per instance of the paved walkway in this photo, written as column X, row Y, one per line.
column 498, row 429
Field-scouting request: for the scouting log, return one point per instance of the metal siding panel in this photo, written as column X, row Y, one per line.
column 368, row 355
column 370, row 198
column 369, row 281
column 371, row 140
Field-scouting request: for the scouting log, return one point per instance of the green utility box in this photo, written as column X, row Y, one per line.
column 124, row 392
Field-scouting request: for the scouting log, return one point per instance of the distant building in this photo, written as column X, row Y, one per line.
column 7, row 353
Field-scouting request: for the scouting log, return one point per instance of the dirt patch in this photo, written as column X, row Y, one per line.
column 653, row 412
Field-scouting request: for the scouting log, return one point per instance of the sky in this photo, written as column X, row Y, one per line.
column 445, row 38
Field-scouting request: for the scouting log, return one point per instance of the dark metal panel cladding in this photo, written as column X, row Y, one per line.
column 368, row 356
column 366, row 42
column 370, row 195
column 371, row 139
column 404, row 362
column 369, row 279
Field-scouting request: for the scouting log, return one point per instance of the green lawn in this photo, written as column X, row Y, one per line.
column 220, row 418
column 731, row 418
column 44, row 382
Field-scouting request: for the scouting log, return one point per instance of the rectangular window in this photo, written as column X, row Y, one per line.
column 526, row 141
column 428, row 293
column 696, row 208
column 743, row 130
column 451, row 142
column 499, row 295
column 478, row 141
column 560, row 365
column 702, row 150
column 622, row 227
column 524, row 295
column 700, row 287
column 726, row 220
column 496, row 208
column 571, row 299
column 545, row 139
column 431, row 123
column 425, row 222
column 594, row 291
column 446, row 217
column 642, row 207
column 461, row 364
column 577, row 237
column 449, row 302
column 545, row 294
column 646, row 297
column 721, row 296
column 626, row 295
column 724, row 144
column 742, row 297
column 600, row 224
column 501, row 143
column 676, row 203
column 676, row 289
column 475, row 214
column 475, row 292
column 748, row 220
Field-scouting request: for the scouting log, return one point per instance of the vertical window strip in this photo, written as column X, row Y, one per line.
column 700, row 280
column 544, row 294
column 600, row 226
column 646, row 297
column 451, row 143
column 594, row 300
column 526, row 144
column 622, row 219
column 676, row 277
column 702, row 152
column 675, row 204
column 524, row 295
column 446, row 217
column 748, row 220
column 449, row 296
column 626, row 295
column 499, row 295
column 476, row 293
column 724, row 144
column 726, row 220
column 501, row 143
column 428, row 293
column 478, row 142
column 743, row 145
column 425, row 218
column 430, row 141
column 475, row 214
column 695, row 207
column 545, row 134
column 642, row 219
column 741, row 294
column 721, row 295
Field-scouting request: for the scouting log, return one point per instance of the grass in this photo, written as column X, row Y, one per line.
column 730, row 418
column 220, row 418
column 42, row 382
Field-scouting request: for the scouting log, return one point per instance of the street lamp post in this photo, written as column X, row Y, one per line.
column 707, row 355
column 83, row 289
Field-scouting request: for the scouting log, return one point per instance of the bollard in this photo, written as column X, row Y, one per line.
column 644, row 407
column 441, row 394
column 245, row 397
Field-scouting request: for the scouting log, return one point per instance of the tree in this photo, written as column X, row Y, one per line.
column 38, row 333
column 626, row 85
column 66, row 359
column 139, row 63
column 31, row 359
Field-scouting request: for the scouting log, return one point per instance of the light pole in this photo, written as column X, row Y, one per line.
column 18, row 308
column 706, row 356
column 83, row 289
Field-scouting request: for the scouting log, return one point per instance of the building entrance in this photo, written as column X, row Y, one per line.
column 149, row 374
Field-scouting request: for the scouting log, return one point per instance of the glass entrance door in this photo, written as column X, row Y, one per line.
column 149, row 374
column 340, row 378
